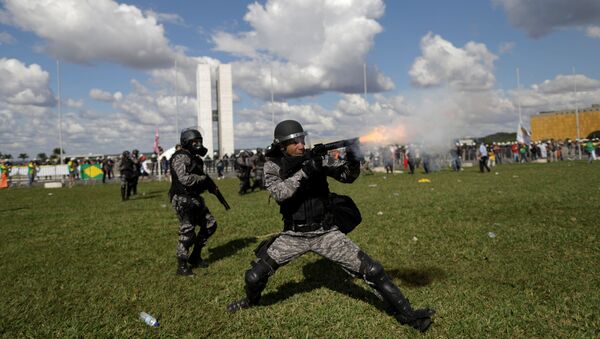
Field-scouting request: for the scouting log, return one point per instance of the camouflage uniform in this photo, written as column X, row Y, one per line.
column 327, row 240
column 310, row 226
column 258, row 167
column 188, row 181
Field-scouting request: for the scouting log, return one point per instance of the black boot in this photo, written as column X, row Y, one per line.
column 419, row 319
column 182, row 268
column 195, row 260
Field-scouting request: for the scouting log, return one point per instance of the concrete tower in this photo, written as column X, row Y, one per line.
column 204, row 105
column 224, row 112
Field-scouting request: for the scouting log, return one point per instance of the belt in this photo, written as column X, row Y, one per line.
column 306, row 227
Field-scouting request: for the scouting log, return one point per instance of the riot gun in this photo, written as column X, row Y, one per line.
column 322, row 149
column 214, row 189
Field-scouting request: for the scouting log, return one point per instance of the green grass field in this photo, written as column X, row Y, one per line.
column 79, row 262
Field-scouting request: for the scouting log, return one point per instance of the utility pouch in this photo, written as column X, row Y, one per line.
column 346, row 215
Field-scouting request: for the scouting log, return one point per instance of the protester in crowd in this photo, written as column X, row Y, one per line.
column 590, row 149
column 482, row 155
column 515, row 151
column 32, row 170
column 105, row 169
column 220, row 169
column 4, row 173
column 72, row 165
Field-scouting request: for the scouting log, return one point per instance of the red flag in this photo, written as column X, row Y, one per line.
column 156, row 140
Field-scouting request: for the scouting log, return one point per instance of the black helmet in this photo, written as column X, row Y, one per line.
column 189, row 135
column 135, row 152
column 287, row 130
column 125, row 154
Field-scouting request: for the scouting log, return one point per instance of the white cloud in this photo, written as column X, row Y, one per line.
column 170, row 18
column 327, row 54
column 93, row 31
column 74, row 103
column 567, row 83
column 541, row 17
column 24, row 85
column 469, row 68
column 593, row 32
column 100, row 95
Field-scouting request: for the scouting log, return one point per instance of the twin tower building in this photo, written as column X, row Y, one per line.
column 222, row 115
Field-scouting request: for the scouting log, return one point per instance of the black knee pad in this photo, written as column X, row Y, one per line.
column 369, row 268
column 259, row 273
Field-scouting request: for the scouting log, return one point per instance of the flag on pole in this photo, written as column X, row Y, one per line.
column 523, row 135
column 156, row 140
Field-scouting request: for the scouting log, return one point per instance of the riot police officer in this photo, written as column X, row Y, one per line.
column 258, row 165
column 137, row 166
column 126, row 170
column 243, row 169
column 299, row 184
column 188, row 181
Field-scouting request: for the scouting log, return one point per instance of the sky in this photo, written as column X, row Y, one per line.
column 435, row 70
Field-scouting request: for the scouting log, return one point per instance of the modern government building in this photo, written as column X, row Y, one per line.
column 562, row 125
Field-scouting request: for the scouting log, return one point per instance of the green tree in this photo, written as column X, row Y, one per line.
column 23, row 156
column 42, row 157
column 56, row 154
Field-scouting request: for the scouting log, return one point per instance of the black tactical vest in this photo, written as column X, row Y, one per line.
column 196, row 168
column 309, row 205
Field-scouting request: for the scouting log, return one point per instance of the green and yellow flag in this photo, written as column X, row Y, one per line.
column 91, row 172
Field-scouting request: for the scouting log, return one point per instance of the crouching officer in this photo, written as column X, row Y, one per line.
column 299, row 185
column 188, row 180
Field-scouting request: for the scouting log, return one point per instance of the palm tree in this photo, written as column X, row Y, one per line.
column 42, row 156
column 23, row 156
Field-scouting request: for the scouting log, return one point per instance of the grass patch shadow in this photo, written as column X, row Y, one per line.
column 324, row 273
column 417, row 277
column 228, row 249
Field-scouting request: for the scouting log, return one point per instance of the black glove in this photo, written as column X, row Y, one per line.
column 313, row 166
column 318, row 150
column 353, row 154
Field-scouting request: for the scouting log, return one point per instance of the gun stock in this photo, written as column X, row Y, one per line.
column 218, row 194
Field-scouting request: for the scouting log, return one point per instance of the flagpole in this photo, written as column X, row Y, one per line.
column 519, row 99
column 272, row 107
column 365, row 80
column 60, row 140
column 576, row 113
column 176, row 105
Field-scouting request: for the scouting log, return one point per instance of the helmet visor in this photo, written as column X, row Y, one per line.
column 300, row 138
column 292, row 138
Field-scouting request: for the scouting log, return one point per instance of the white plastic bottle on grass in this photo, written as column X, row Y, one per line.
column 148, row 319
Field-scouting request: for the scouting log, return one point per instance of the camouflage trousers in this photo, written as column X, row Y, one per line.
column 192, row 212
column 333, row 245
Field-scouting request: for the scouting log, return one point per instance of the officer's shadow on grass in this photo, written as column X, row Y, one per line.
column 324, row 273
column 417, row 278
column 228, row 249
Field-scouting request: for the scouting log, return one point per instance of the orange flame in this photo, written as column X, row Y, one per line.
column 384, row 135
